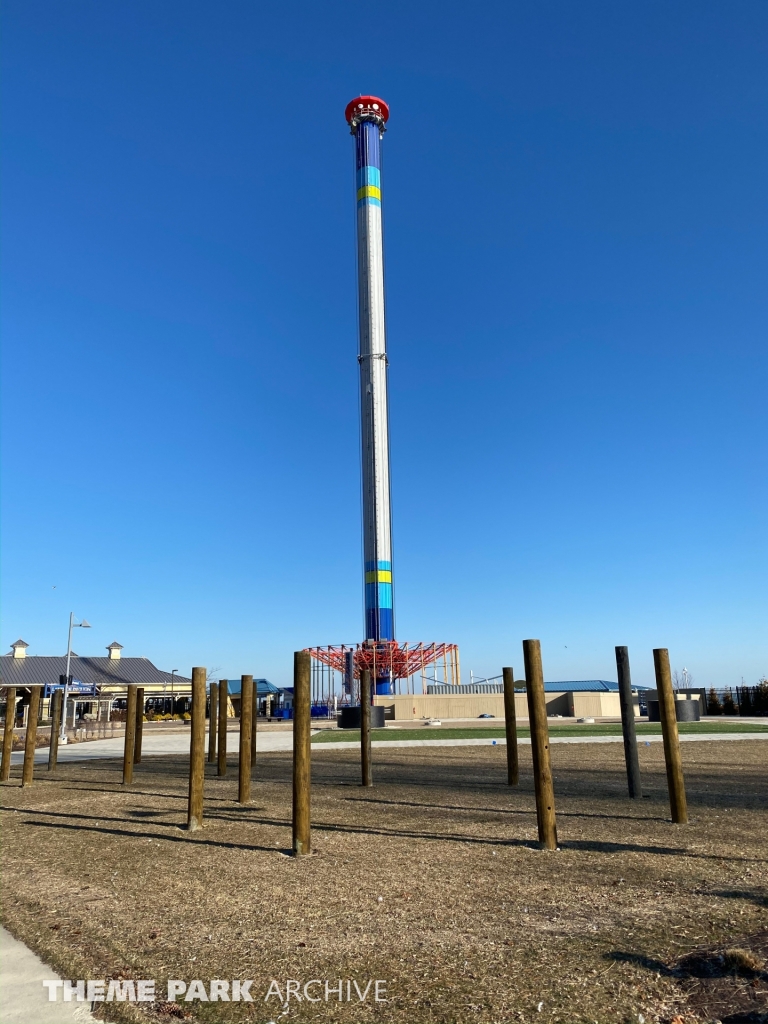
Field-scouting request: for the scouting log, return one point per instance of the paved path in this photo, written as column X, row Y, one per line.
column 23, row 997
column 179, row 744
column 176, row 743
column 437, row 742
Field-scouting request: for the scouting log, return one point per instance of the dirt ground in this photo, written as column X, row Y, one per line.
column 431, row 881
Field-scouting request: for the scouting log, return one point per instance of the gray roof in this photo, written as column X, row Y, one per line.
column 582, row 685
column 588, row 685
column 263, row 687
column 38, row 670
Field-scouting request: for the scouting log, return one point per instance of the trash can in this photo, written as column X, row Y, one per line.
column 350, row 717
column 688, row 710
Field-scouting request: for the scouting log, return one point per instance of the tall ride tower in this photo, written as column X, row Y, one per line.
column 367, row 117
column 395, row 666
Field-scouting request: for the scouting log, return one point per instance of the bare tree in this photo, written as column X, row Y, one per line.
column 682, row 680
column 212, row 675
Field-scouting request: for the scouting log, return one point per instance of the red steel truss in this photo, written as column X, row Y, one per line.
column 388, row 657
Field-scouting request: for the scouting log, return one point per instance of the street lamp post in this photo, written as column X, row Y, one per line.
column 72, row 625
column 173, row 673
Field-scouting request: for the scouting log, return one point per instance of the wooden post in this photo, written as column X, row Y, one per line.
column 213, row 722
column 139, row 724
column 246, row 724
column 365, row 727
column 10, row 721
column 667, row 713
column 53, row 750
column 628, row 724
column 254, row 717
column 542, row 769
column 196, row 751
column 30, row 744
column 510, row 722
column 130, row 736
column 223, row 702
column 301, row 752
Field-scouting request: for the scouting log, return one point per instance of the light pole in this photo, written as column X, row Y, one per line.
column 72, row 625
column 173, row 673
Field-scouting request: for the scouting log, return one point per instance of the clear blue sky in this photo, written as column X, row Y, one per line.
column 576, row 243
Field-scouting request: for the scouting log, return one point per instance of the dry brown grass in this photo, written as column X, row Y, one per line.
column 431, row 880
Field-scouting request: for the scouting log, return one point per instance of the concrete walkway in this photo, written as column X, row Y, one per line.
column 156, row 746
column 23, row 997
column 437, row 742
column 152, row 745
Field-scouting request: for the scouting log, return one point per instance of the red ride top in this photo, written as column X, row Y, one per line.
column 367, row 103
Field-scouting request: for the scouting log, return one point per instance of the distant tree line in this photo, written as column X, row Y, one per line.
column 739, row 700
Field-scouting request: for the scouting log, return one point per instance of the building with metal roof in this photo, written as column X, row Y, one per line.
column 496, row 686
column 263, row 687
column 582, row 686
column 111, row 674
column 269, row 697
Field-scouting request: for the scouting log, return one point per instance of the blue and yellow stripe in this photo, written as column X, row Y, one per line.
column 369, row 192
column 368, row 164
column 379, row 616
column 379, row 576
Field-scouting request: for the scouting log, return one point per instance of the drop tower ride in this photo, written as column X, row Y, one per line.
column 367, row 117
column 395, row 667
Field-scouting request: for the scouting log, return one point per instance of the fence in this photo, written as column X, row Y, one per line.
column 741, row 700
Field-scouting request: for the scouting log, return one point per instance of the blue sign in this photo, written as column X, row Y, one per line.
column 76, row 686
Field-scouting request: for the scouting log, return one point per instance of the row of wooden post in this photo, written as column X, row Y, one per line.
column 134, row 731
column 30, row 742
column 537, row 716
column 218, row 715
column 301, row 839
column 537, row 713
column 217, row 739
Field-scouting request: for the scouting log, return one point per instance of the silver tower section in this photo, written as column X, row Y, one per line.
column 367, row 117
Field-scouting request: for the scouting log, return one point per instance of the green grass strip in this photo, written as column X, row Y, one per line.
column 493, row 733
